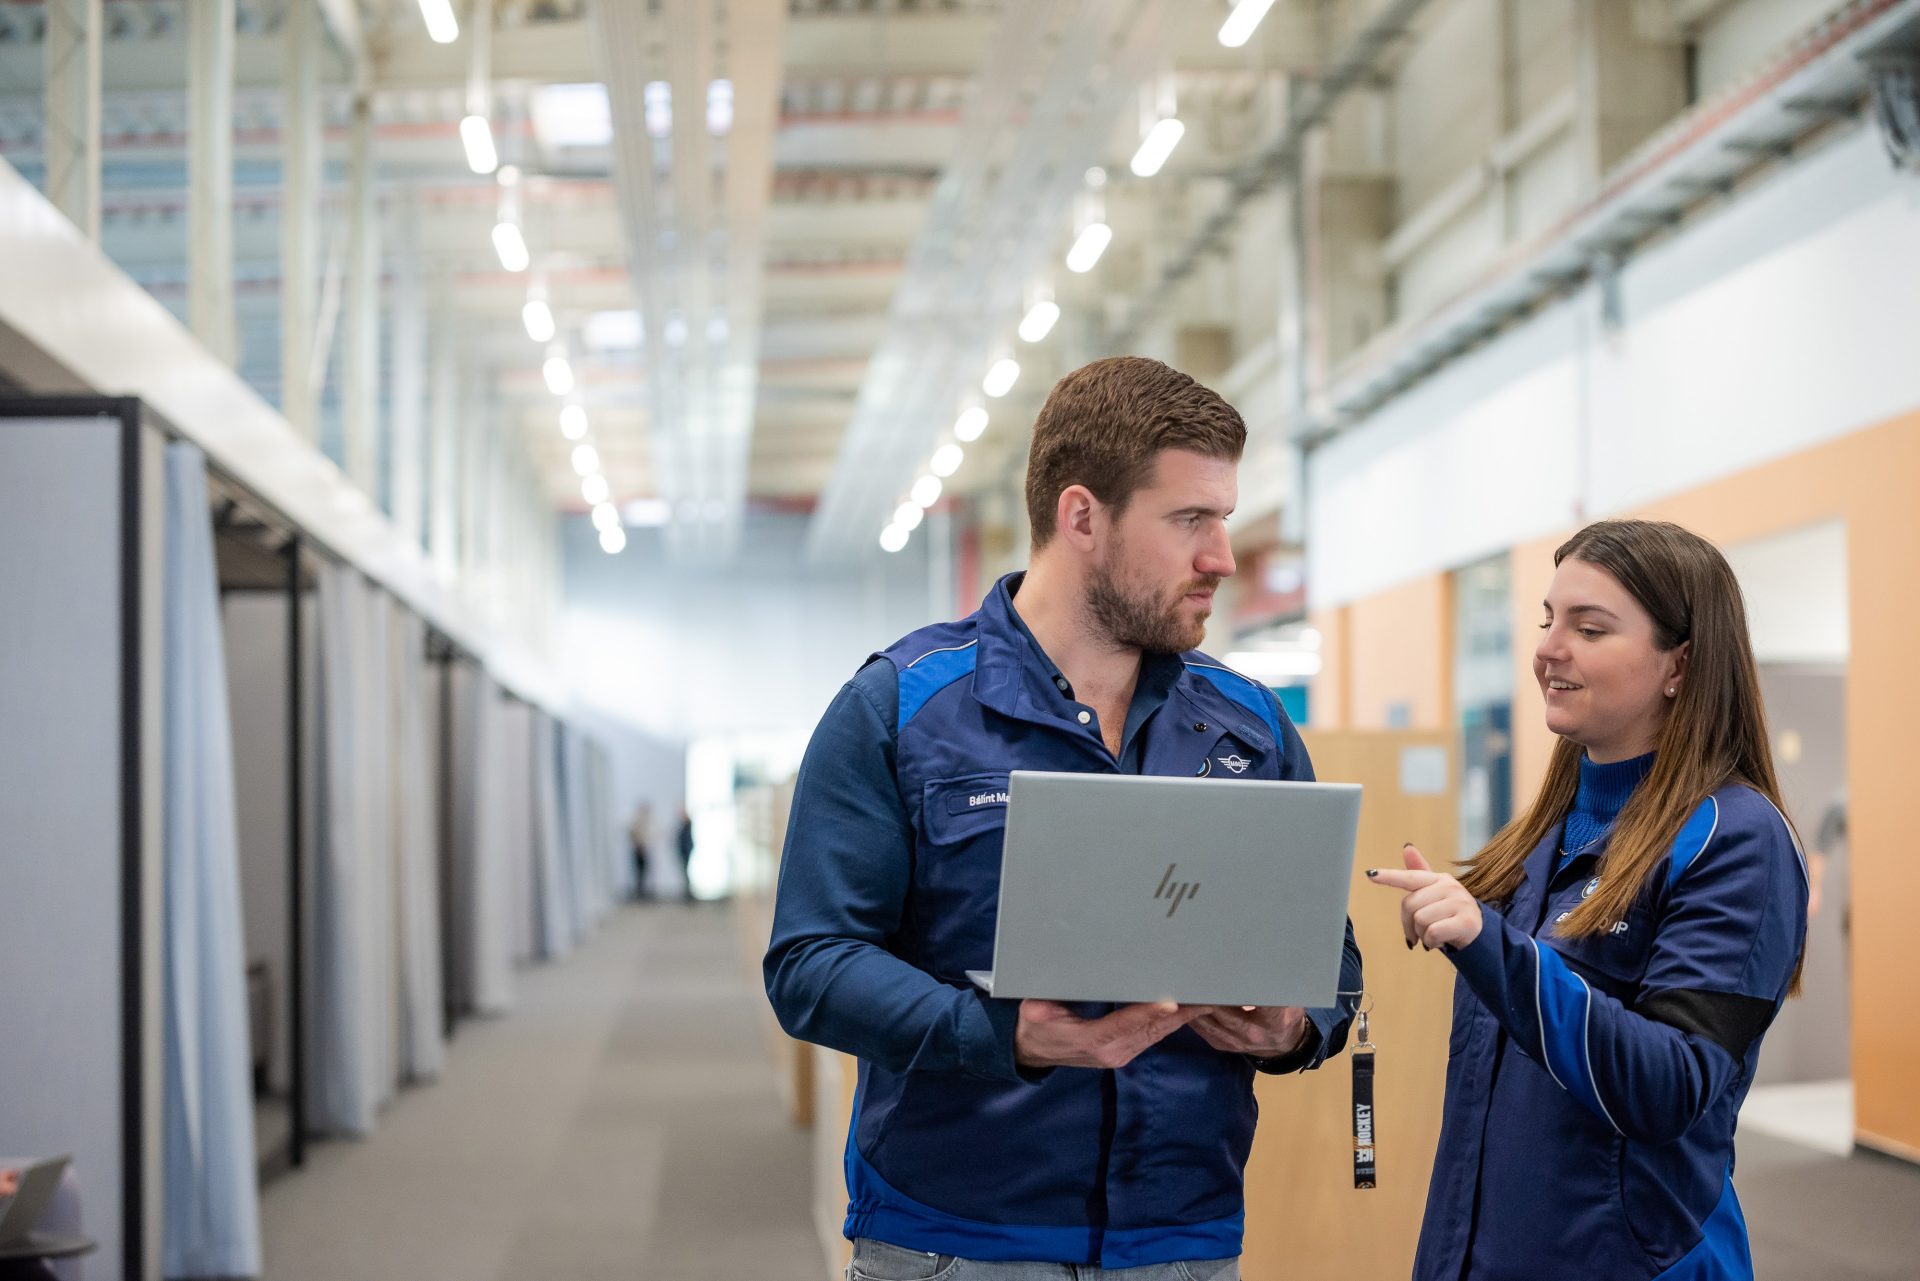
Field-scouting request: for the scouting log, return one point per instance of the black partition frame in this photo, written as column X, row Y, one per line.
column 293, row 587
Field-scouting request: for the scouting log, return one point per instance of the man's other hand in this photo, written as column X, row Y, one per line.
column 1265, row 1032
column 1051, row 1035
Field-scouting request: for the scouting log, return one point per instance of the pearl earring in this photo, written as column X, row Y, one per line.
column 1669, row 691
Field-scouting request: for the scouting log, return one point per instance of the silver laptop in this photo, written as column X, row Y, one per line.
column 1203, row 891
column 20, row 1213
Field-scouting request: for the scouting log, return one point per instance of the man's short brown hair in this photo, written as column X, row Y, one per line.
column 1105, row 424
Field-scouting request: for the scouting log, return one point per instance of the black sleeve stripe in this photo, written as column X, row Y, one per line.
column 1731, row 1022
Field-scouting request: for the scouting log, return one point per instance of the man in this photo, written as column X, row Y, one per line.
column 1012, row 1140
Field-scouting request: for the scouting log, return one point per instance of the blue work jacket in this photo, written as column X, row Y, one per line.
column 1593, row 1083
column 888, row 892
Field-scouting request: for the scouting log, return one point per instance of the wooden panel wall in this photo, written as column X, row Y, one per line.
column 1304, row 1217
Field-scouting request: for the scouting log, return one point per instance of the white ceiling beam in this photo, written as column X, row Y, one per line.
column 210, row 25
column 72, row 106
column 299, row 220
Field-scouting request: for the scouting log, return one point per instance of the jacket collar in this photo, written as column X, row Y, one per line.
column 1016, row 678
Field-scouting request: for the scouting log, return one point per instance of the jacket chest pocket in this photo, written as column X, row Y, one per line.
column 1618, row 956
column 955, row 811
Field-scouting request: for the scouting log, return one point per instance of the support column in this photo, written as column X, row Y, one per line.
column 444, row 511
column 72, row 135
column 1627, row 86
column 299, row 219
column 475, row 467
column 405, row 415
column 210, row 44
column 360, row 392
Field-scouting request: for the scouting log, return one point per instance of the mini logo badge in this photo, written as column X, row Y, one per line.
column 1592, row 885
column 1175, row 892
column 1237, row 764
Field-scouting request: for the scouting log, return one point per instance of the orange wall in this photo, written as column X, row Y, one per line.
column 1329, row 704
column 1397, row 647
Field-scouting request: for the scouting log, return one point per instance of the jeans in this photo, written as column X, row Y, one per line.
column 878, row 1261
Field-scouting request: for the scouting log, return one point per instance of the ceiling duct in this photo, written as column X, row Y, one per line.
column 693, row 88
column 1057, row 76
column 1896, row 107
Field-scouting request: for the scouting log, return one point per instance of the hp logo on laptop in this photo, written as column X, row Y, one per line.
column 1175, row 892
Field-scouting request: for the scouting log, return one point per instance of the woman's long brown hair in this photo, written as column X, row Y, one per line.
column 1715, row 731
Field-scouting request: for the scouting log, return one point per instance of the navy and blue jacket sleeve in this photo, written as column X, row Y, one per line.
column 1726, row 945
column 1331, row 1023
column 844, row 877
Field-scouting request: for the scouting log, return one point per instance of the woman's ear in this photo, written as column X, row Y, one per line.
column 1677, row 667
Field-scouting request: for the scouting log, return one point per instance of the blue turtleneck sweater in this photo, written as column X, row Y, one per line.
column 1603, row 793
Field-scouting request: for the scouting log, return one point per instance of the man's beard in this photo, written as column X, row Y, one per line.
column 1133, row 617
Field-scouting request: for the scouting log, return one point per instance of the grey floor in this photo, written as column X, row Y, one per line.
column 1816, row 1217
column 622, row 1122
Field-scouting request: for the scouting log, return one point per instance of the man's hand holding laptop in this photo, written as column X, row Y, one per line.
column 1051, row 1035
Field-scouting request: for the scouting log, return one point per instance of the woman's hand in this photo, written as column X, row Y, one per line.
column 1437, row 911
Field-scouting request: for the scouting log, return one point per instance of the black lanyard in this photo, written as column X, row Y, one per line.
column 1363, row 1163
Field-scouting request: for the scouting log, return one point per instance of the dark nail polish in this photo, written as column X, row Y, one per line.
column 1409, row 945
column 1371, row 871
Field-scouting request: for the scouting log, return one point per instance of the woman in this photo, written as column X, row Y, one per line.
column 1620, row 947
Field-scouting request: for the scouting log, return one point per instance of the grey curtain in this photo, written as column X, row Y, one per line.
column 212, row 1208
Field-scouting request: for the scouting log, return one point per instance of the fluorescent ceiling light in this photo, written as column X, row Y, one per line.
column 908, row 516
column 1274, row 664
column 559, row 375
column 893, row 538
column 658, row 96
column 476, row 135
column 572, row 116
column 605, row 515
column 613, row 331
column 1039, row 320
column 586, row 460
column 1088, row 246
column 1157, row 146
column 718, row 330
column 613, row 541
column 442, row 26
column 1238, row 28
column 972, row 421
column 720, row 107
column 926, row 491
column 1000, row 379
column 538, row 318
column 573, row 422
column 594, row 490
column 946, row 460
column 511, row 246
column 647, row 513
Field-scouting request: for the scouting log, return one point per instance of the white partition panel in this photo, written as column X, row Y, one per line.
column 80, row 1057
column 512, row 774
column 417, row 882
column 254, row 627
column 552, row 882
